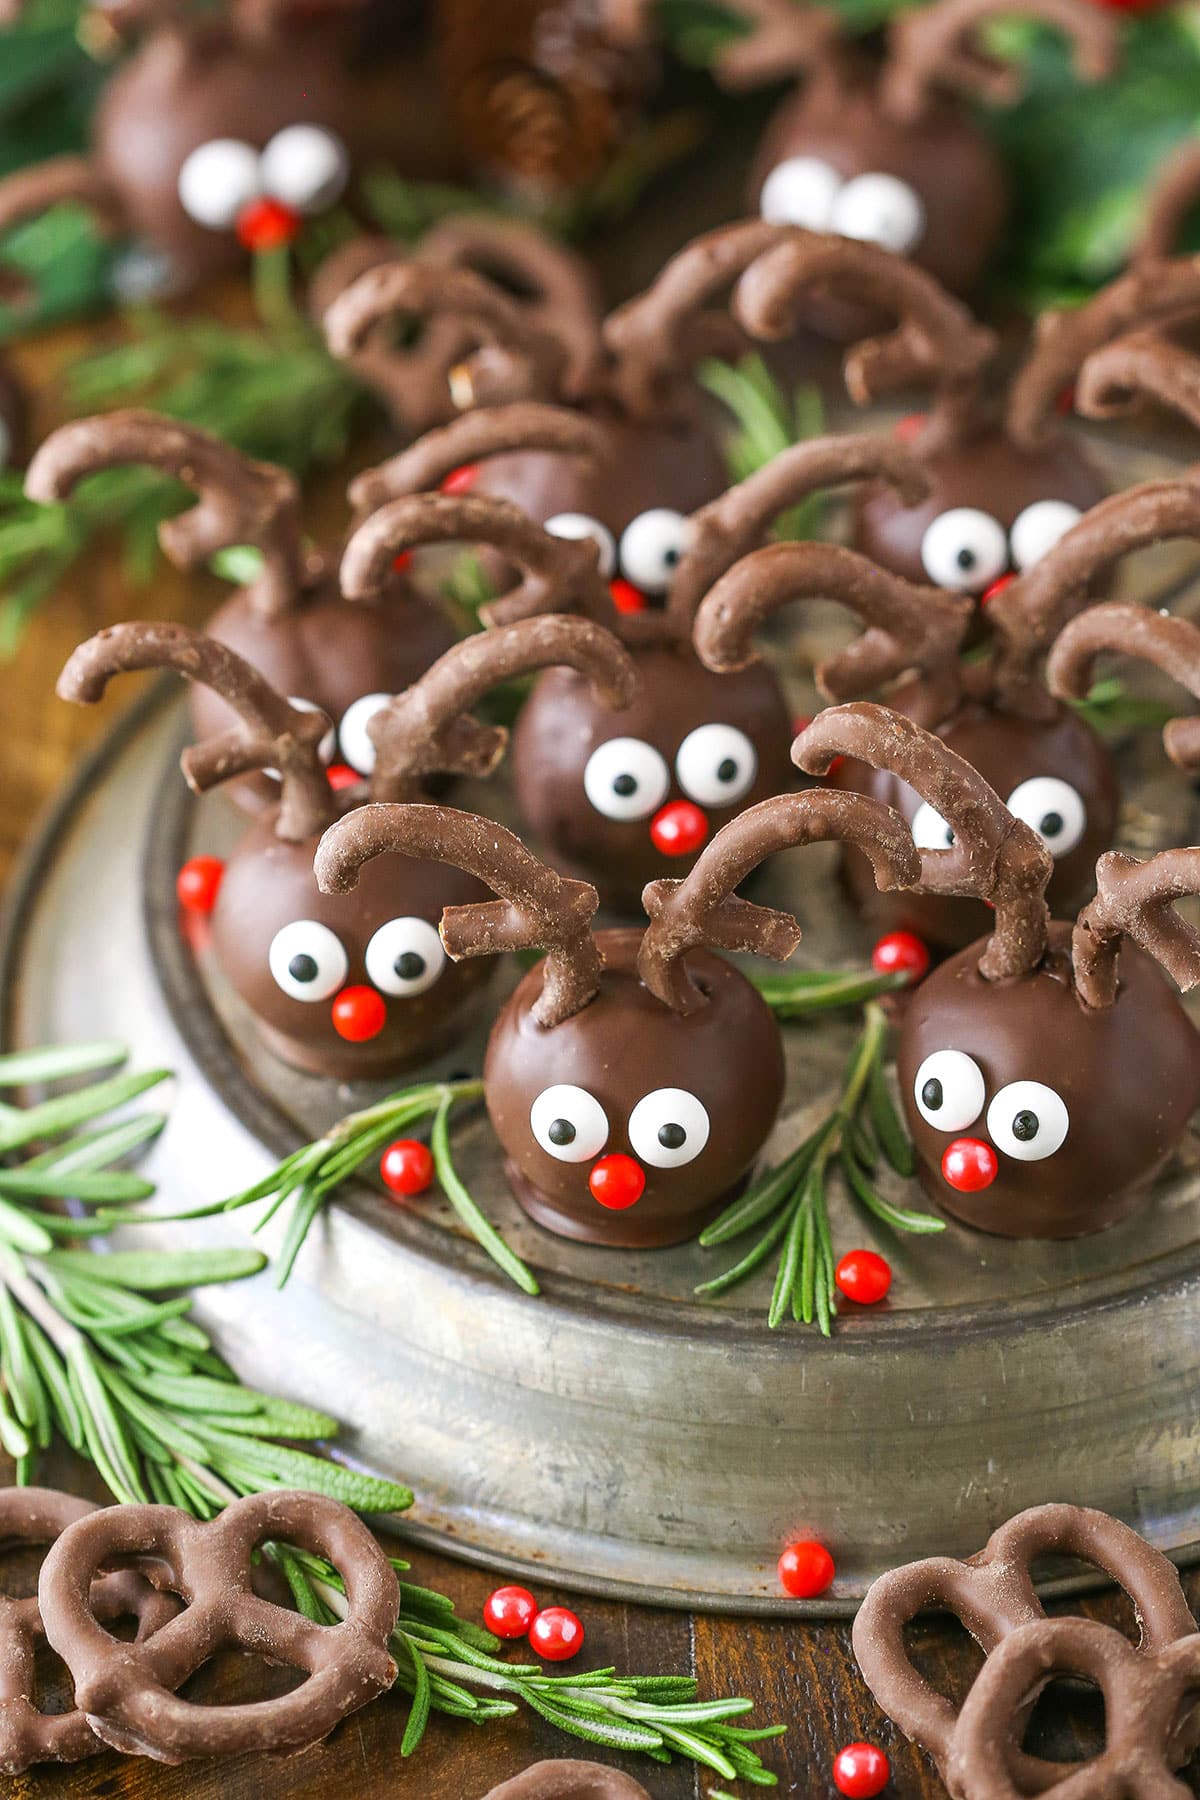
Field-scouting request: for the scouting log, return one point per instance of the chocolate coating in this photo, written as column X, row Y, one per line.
column 560, row 726
column 1007, row 751
column 1129, row 1075
column 988, row 473
column 624, row 1045
column 269, row 883
column 329, row 651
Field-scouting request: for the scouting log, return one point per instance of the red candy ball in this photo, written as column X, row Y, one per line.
column 359, row 1014
column 460, row 480
column 805, row 1570
column 198, row 883
column 617, row 1182
column 407, row 1168
column 863, row 1277
column 556, row 1634
column 679, row 829
column 969, row 1165
column 625, row 597
column 509, row 1612
column 901, row 953
column 860, row 1771
column 341, row 776
column 267, row 224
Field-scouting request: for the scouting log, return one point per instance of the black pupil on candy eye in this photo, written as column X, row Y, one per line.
column 727, row 769
column 932, row 1094
column 1051, row 825
column 965, row 559
column 671, row 557
column 1025, row 1127
column 625, row 785
column 672, row 1137
column 303, row 967
column 561, row 1132
column 410, row 966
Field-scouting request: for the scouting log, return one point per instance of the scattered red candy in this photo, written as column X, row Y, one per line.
column 267, row 224
column 679, row 829
column 460, row 480
column 199, row 882
column 617, row 1182
column 901, row 952
column 509, row 1612
column 863, row 1276
column 997, row 587
column 359, row 1013
column 970, row 1165
column 860, row 1771
column 407, row 1169
column 556, row 1634
column 911, row 427
column 805, row 1569
column 625, row 597
column 401, row 561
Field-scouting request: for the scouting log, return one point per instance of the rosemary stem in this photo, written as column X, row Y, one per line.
column 66, row 1338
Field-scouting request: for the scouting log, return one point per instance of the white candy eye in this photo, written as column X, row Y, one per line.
column 307, row 960
column 716, row 765
column 405, row 957
column 1028, row 1121
column 580, row 525
column 328, row 743
column 217, row 180
column 879, row 209
column 800, row 191
column 930, row 831
column 357, row 748
column 668, row 1128
column 949, row 1090
column 652, row 548
column 964, row 549
column 1038, row 529
column 626, row 779
column 569, row 1123
column 1053, row 808
column 305, row 167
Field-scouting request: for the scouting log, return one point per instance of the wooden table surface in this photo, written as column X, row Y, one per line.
column 801, row 1675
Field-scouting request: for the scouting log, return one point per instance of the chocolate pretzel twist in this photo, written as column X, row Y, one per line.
column 784, row 39
column 273, row 733
column 992, row 1595
column 704, row 909
column 1170, row 644
column 937, row 48
column 995, row 856
column 1173, row 195
column 1113, row 380
column 538, row 909
column 128, row 1692
column 569, row 1780
column 1137, row 900
column 27, row 1735
column 240, row 501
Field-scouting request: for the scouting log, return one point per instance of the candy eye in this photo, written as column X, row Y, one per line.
column 307, row 960
column 716, row 765
column 652, row 548
column 626, row 779
column 1028, row 1121
column 217, row 180
column 580, row 525
column 1053, row 808
column 879, row 209
column 930, row 831
column 668, row 1128
column 964, row 549
column 800, row 191
column 328, row 743
column 949, row 1090
column 569, row 1123
column 305, row 167
column 1038, row 529
column 356, row 746
column 405, row 957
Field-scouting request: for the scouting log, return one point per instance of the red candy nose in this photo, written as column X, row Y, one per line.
column 997, row 587
column 969, row 1165
column 359, row 1014
column 267, row 224
column 460, row 480
column 678, row 829
column 625, row 597
column 617, row 1182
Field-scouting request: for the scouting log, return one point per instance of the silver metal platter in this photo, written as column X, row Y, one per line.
column 616, row 1434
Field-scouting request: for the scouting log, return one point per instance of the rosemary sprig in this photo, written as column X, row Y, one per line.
column 441, row 1659
column 311, row 1174
column 768, row 422
column 788, row 1205
column 799, row 993
column 1110, row 708
column 101, row 1347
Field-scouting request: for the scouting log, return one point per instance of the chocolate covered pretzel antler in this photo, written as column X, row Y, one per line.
column 273, row 733
column 783, row 39
column 1136, row 900
column 1113, row 380
column 1170, row 644
column 704, row 909
column 569, row 1780
column 1174, row 193
column 993, row 1596
column 129, row 1691
column 537, row 908
column 241, row 501
column 27, row 1735
column 937, row 47
column 995, row 856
